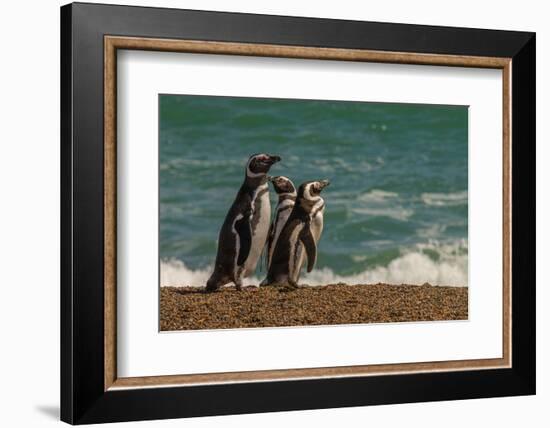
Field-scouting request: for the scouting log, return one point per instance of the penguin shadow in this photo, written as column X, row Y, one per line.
column 204, row 291
column 185, row 292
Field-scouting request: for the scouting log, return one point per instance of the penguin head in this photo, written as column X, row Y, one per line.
column 310, row 191
column 258, row 165
column 283, row 185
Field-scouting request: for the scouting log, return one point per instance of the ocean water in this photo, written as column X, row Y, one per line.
column 396, row 209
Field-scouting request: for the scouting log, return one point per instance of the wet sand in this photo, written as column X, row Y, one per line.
column 190, row 308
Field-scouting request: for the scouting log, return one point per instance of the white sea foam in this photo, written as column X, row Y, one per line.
column 377, row 195
column 174, row 272
column 412, row 267
column 445, row 199
column 397, row 213
column 381, row 203
column 432, row 231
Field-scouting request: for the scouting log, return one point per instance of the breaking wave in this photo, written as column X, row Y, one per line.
column 435, row 263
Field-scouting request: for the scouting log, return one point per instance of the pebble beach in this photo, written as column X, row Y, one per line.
column 190, row 308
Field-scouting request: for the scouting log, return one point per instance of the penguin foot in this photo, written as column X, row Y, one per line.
column 285, row 288
column 214, row 284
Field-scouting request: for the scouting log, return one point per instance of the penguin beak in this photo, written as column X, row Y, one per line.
column 324, row 183
column 273, row 159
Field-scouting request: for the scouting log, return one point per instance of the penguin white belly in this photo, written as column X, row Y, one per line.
column 281, row 221
column 317, row 225
column 316, row 230
column 261, row 218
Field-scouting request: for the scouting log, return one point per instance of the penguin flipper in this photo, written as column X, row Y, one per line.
column 311, row 248
column 269, row 244
column 270, row 236
column 244, row 231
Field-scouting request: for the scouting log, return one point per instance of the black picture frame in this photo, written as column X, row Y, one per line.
column 83, row 398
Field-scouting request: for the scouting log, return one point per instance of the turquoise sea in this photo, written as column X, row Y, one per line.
column 396, row 209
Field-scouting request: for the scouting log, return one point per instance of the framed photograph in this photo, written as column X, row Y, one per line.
column 266, row 213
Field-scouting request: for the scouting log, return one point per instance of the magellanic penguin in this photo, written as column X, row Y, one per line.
column 287, row 197
column 244, row 232
column 299, row 236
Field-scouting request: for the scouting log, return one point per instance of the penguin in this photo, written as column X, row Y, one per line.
column 287, row 197
column 299, row 236
column 244, row 232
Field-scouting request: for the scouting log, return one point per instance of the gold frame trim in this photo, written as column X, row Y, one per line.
column 113, row 43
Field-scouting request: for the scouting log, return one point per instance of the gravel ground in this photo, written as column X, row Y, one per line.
column 190, row 308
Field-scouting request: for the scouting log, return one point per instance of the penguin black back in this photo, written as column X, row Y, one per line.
column 244, row 230
column 297, row 236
